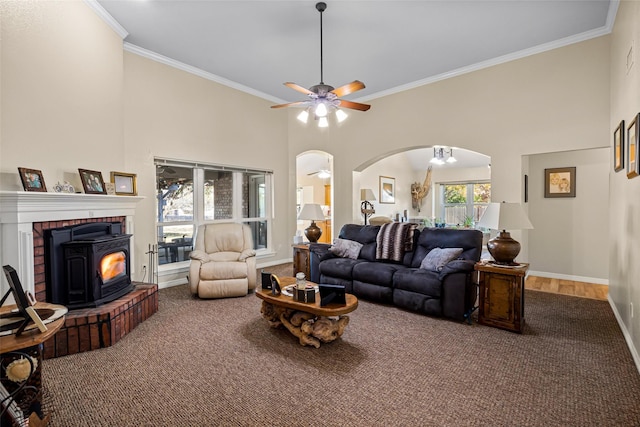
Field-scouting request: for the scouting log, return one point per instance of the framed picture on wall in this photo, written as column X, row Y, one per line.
column 633, row 143
column 618, row 147
column 560, row 182
column 387, row 189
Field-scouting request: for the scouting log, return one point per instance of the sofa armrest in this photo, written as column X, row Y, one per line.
column 456, row 266
column 318, row 252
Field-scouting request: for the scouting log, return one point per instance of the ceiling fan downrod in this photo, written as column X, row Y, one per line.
column 321, row 7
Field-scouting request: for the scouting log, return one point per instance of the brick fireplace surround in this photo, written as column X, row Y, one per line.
column 23, row 218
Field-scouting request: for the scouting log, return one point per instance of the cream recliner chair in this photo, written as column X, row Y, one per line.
column 223, row 262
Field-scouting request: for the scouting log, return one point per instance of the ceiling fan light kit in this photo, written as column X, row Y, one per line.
column 439, row 156
column 325, row 99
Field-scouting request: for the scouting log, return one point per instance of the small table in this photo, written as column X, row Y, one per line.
column 30, row 342
column 309, row 322
column 501, row 302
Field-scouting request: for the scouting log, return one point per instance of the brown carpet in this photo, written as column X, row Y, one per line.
column 217, row 363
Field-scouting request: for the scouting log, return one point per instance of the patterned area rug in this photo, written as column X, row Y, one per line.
column 217, row 362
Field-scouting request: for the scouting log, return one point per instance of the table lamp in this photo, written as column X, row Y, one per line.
column 503, row 216
column 313, row 212
column 366, row 207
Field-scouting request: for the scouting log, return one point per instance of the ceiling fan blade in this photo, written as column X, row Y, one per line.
column 290, row 104
column 298, row 88
column 313, row 173
column 348, row 88
column 354, row 105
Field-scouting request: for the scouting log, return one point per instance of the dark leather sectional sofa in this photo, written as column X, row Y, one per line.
column 449, row 292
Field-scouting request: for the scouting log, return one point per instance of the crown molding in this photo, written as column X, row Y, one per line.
column 198, row 72
column 107, row 18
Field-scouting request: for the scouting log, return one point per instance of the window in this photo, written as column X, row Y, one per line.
column 189, row 195
column 462, row 203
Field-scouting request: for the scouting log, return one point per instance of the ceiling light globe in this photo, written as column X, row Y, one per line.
column 303, row 116
column 321, row 110
column 341, row 116
column 323, row 122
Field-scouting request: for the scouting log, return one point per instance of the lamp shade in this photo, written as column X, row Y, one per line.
column 311, row 211
column 505, row 216
column 367, row 194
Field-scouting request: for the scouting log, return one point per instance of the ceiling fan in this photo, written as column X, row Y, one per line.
column 324, row 98
column 322, row 173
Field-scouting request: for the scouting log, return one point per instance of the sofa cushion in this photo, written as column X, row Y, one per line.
column 365, row 234
column 339, row 267
column 346, row 248
column 439, row 257
column 376, row 273
column 468, row 239
column 419, row 281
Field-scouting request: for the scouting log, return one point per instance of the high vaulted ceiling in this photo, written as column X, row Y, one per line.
column 256, row 46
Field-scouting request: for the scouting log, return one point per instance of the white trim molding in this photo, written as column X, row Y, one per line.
column 107, row 18
column 595, row 280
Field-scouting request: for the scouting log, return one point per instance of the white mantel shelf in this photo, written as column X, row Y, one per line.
column 29, row 207
column 20, row 209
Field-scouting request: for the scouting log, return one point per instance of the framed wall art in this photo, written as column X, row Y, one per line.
column 633, row 143
column 125, row 183
column 560, row 182
column 387, row 189
column 618, row 147
column 92, row 181
column 32, row 180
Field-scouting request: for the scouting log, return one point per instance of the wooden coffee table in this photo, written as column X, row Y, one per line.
column 309, row 322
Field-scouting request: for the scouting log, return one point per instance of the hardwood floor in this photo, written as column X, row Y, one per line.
column 567, row 287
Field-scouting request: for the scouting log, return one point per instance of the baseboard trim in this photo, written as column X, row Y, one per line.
column 595, row 280
column 625, row 333
column 274, row 262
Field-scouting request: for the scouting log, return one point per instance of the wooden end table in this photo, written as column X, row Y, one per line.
column 501, row 295
column 309, row 322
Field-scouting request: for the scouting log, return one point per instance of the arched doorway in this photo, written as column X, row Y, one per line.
column 314, row 184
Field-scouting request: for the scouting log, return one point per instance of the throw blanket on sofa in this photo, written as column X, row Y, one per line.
column 393, row 240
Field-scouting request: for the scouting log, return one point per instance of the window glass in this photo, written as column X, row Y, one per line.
column 175, row 242
column 253, row 195
column 218, row 194
column 259, row 233
column 455, row 203
column 175, row 193
column 481, row 197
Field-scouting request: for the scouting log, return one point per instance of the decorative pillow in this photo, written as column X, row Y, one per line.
column 438, row 258
column 346, row 248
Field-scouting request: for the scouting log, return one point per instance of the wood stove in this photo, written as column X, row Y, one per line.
column 87, row 265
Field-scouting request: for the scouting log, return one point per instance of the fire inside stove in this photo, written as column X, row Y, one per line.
column 113, row 266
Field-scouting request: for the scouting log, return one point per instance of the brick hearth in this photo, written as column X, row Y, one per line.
column 94, row 328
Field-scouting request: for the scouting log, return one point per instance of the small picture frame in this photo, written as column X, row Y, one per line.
column 387, row 189
column 633, row 144
column 92, row 181
column 111, row 188
column 618, row 147
column 32, row 180
column 125, row 183
column 276, row 288
column 560, row 182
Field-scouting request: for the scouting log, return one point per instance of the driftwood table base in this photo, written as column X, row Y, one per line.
column 307, row 327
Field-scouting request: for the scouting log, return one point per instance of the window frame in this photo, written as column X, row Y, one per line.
column 469, row 203
column 198, row 171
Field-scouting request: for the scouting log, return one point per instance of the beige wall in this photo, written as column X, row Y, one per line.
column 71, row 98
column 177, row 115
column 624, row 194
column 551, row 102
column 61, row 92
column 567, row 239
